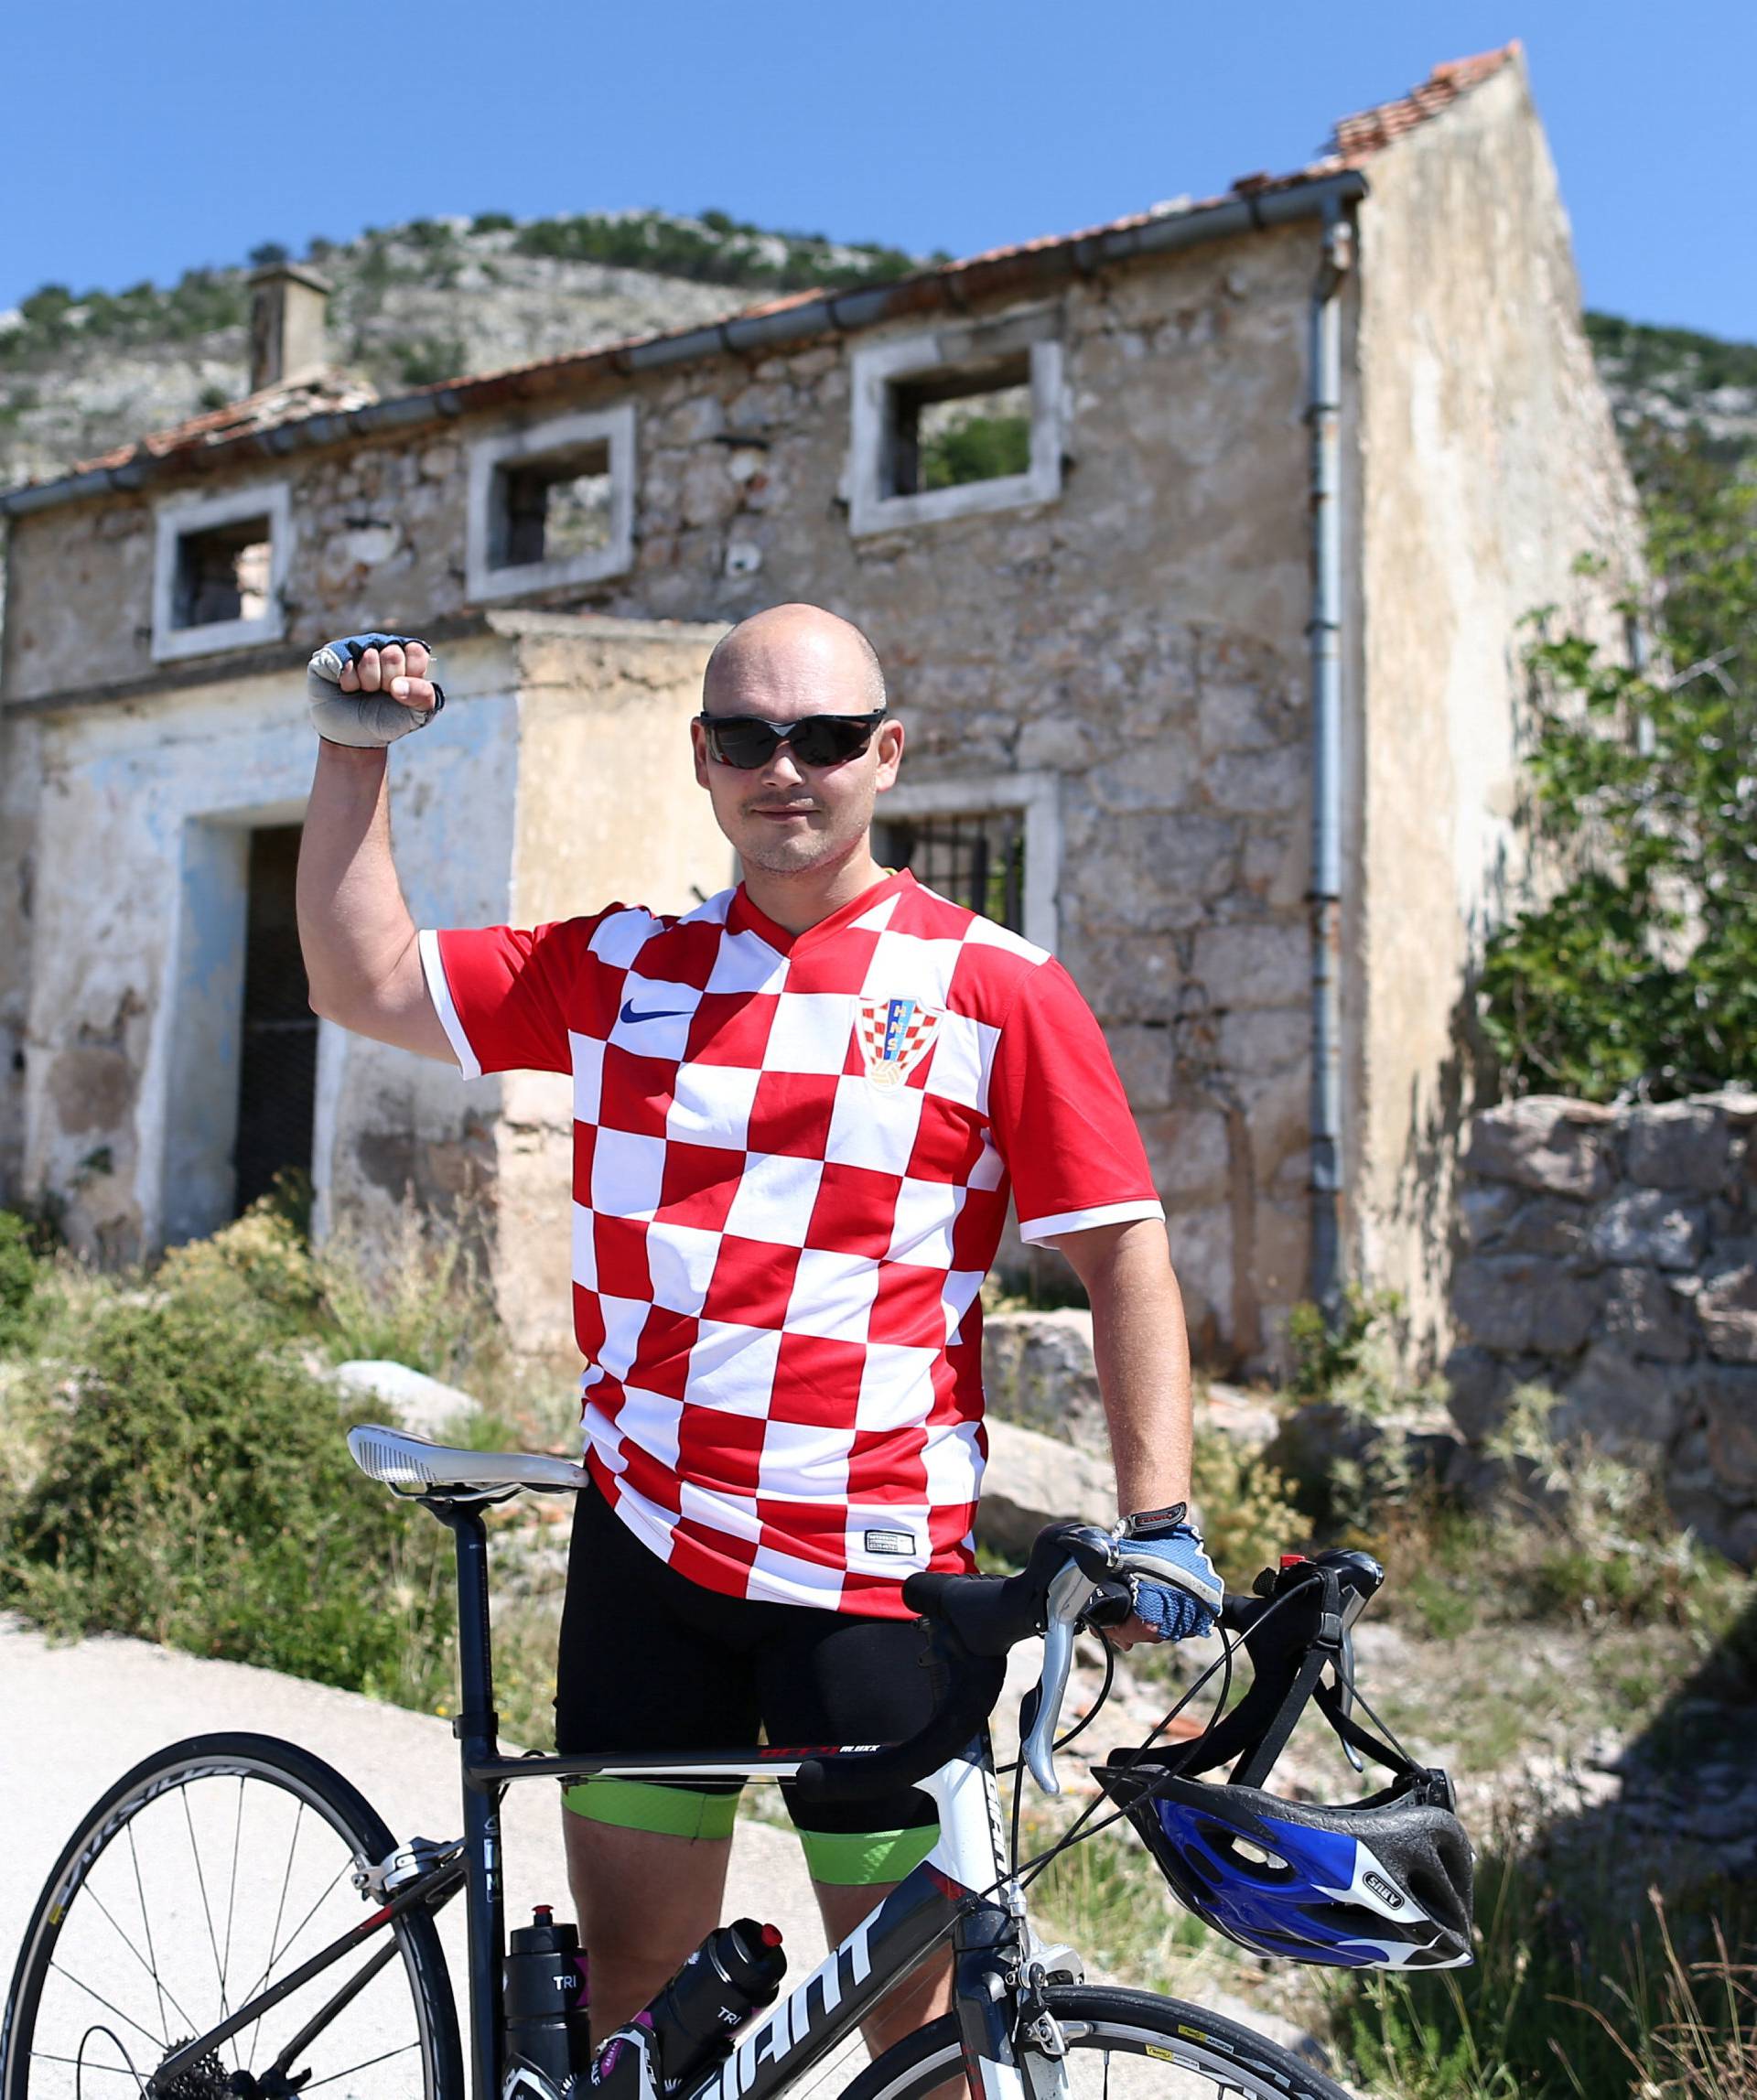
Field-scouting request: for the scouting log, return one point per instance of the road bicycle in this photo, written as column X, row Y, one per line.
column 234, row 1922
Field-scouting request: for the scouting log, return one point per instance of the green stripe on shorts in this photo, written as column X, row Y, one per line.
column 668, row 1811
column 866, row 1857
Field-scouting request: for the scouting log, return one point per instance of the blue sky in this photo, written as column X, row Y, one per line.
column 143, row 140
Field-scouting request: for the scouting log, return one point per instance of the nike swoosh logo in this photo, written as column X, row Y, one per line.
column 658, row 1014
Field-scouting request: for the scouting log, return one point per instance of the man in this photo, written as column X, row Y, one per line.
column 799, row 1109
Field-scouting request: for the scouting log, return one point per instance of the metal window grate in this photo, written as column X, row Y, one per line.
column 975, row 858
column 277, row 1066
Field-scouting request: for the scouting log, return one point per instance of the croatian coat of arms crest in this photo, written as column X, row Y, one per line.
column 894, row 1036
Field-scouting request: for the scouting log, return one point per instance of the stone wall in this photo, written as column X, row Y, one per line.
column 1139, row 640
column 1611, row 1255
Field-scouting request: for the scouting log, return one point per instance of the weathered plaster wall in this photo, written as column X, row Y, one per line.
column 608, row 811
column 1488, row 464
column 1141, row 637
column 389, row 1125
column 131, row 928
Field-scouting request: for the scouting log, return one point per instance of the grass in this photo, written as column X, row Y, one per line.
column 1569, row 1999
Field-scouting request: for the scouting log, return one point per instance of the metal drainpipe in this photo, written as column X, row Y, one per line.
column 1324, row 416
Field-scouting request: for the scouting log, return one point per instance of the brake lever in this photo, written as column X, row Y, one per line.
column 1068, row 1596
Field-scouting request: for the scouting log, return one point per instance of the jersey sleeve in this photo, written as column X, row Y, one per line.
column 1061, row 1119
column 503, row 993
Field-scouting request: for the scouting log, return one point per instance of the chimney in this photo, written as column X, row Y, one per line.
column 287, row 308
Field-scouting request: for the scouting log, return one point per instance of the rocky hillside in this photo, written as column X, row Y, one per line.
column 80, row 373
column 438, row 297
column 1671, row 381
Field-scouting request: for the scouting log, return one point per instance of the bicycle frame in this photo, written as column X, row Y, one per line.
column 951, row 1894
column 945, row 1896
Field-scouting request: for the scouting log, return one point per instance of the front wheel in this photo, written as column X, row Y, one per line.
column 1122, row 2045
column 210, row 1874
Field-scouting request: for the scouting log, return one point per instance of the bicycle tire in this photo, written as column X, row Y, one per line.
column 147, row 1871
column 1198, row 2054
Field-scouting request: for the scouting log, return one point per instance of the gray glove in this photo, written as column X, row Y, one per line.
column 366, row 720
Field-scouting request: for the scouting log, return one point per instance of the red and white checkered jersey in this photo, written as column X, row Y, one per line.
column 791, row 1158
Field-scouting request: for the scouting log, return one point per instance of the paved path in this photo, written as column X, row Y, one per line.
column 76, row 1718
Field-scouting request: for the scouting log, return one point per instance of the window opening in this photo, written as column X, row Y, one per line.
column 277, row 1066
column 551, row 508
column 950, row 428
column 975, row 858
column 223, row 574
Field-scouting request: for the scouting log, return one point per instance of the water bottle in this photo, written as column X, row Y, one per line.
column 548, row 2026
column 689, row 2025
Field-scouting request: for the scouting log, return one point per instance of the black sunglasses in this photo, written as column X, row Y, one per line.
column 747, row 742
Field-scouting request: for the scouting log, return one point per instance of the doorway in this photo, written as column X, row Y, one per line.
column 278, row 1061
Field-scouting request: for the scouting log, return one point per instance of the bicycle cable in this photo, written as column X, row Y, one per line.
column 1078, row 1831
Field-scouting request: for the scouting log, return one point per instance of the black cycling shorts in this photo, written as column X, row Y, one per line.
column 650, row 1661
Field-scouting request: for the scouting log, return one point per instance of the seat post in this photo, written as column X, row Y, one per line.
column 477, row 1727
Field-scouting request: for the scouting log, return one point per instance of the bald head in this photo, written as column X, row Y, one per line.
column 800, row 655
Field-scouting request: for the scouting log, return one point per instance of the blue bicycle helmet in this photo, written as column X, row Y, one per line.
column 1377, row 1884
column 1384, row 1883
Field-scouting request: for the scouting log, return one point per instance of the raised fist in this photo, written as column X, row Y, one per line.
column 369, row 689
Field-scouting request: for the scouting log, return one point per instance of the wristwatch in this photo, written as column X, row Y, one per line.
column 1155, row 1523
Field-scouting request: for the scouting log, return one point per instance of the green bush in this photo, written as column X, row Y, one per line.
column 18, row 1280
column 196, row 1489
column 259, row 1268
column 1248, row 1515
column 978, row 448
column 1636, row 975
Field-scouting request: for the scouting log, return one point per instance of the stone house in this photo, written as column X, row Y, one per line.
column 1196, row 547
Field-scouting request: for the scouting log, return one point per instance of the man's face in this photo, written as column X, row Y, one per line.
column 786, row 817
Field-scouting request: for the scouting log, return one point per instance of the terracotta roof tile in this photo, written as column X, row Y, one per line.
column 1359, row 137
column 326, row 392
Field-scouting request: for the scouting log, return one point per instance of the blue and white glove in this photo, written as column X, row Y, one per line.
column 1173, row 1614
column 366, row 720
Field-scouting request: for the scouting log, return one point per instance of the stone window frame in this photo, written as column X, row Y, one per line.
column 1037, row 796
column 173, row 521
column 530, row 442
column 876, row 368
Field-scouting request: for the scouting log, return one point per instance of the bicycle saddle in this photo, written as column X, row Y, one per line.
column 413, row 1466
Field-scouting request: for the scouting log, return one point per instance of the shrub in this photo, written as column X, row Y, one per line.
column 1347, row 1442
column 1249, row 1514
column 978, row 448
column 196, row 1489
column 425, row 361
column 18, row 1280
column 259, row 1267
